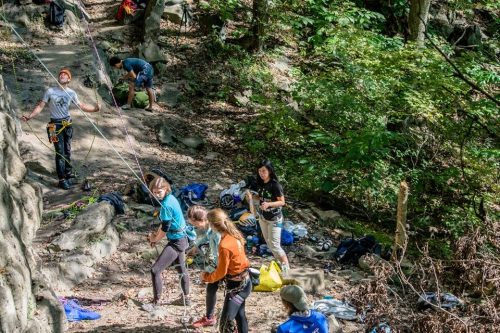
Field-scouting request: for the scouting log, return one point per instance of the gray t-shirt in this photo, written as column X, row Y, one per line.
column 59, row 101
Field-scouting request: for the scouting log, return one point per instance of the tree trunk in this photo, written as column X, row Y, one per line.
column 259, row 12
column 419, row 11
column 401, row 237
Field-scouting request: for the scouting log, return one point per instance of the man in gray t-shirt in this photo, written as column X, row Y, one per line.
column 59, row 128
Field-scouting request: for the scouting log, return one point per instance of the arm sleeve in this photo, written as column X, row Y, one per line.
column 222, row 266
column 46, row 96
column 165, row 225
column 201, row 240
column 74, row 99
column 278, row 190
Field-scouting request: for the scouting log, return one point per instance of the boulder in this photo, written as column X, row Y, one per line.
column 328, row 216
column 194, row 142
column 178, row 13
column 311, row 280
column 92, row 221
column 239, row 99
column 165, row 135
column 365, row 262
column 151, row 52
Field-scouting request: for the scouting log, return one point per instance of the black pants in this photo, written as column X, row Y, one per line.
column 234, row 307
column 211, row 298
column 63, row 150
column 173, row 253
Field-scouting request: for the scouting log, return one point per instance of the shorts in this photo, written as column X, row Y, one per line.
column 144, row 77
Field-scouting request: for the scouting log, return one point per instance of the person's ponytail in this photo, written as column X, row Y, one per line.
column 221, row 222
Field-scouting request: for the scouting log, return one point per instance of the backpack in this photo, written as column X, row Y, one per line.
column 56, row 14
column 286, row 237
column 120, row 91
column 192, row 194
column 142, row 192
column 350, row 250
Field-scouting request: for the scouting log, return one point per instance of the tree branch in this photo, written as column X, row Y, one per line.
column 458, row 72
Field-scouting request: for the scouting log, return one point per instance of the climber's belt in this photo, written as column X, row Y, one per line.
column 52, row 128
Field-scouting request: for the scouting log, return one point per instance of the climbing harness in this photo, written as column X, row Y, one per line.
column 53, row 133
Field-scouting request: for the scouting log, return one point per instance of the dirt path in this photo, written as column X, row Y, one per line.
column 122, row 282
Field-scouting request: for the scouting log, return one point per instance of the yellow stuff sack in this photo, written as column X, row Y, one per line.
column 270, row 278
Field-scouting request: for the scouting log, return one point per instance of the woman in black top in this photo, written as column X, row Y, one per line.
column 271, row 199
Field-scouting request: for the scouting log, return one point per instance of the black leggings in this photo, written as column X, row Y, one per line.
column 234, row 307
column 174, row 252
column 211, row 298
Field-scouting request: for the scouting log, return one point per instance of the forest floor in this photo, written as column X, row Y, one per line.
column 122, row 282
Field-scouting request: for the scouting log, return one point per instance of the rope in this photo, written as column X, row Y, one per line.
column 141, row 180
column 93, row 83
column 78, row 106
column 109, row 85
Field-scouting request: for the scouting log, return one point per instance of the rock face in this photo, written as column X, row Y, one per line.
column 26, row 303
column 91, row 237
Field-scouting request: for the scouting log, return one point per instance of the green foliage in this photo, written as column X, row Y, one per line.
column 375, row 111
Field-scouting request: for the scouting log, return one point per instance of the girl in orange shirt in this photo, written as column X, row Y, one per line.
column 233, row 266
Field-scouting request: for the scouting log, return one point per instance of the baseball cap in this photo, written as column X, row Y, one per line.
column 295, row 295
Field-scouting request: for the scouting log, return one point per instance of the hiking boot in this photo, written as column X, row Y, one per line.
column 64, row 184
column 181, row 301
column 126, row 107
column 203, row 322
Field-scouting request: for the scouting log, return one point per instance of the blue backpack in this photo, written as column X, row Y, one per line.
column 286, row 237
column 192, row 194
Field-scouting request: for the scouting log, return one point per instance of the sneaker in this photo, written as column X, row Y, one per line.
column 181, row 301
column 126, row 107
column 285, row 270
column 64, row 184
column 203, row 322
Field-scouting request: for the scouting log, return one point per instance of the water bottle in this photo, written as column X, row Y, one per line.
column 249, row 244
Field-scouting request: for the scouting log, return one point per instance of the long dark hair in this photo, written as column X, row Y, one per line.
column 269, row 166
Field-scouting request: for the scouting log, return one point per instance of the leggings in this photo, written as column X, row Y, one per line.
column 211, row 298
column 234, row 307
column 174, row 252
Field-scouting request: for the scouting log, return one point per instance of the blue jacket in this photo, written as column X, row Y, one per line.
column 315, row 322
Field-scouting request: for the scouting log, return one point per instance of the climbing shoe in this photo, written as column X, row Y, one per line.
column 203, row 322
column 64, row 184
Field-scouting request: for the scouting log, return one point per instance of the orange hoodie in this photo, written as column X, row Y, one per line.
column 232, row 259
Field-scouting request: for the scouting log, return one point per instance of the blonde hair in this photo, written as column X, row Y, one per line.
column 197, row 213
column 221, row 223
column 160, row 183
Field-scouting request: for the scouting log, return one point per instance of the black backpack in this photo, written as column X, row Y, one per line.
column 350, row 250
column 56, row 14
